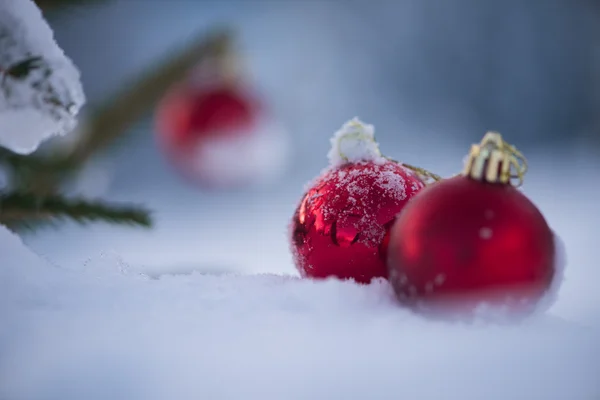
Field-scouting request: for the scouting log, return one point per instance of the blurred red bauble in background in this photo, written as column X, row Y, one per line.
column 215, row 129
column 220, row 136
column 189, row 114
column 473, row 240
column 339, row 226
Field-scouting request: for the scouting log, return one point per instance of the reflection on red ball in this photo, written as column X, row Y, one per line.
column 464, row 242
column 339, row 226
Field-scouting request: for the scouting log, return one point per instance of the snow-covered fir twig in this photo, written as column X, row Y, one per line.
column 40, row 88
column 26, row 211
column 40, row 96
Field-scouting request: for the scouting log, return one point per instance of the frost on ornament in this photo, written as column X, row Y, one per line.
column 341, row 224
column 40, row 88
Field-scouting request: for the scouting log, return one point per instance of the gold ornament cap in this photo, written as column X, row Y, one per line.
column 495, row 161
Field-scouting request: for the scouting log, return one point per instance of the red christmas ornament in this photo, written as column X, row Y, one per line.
column 216, row 131
column 473, row 239
column 339, row 226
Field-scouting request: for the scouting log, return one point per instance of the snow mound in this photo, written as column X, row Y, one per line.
column 101, row 334
column 40, row 88
column 354, row 142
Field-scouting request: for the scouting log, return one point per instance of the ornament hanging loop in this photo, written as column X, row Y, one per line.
column 495, row 161
column 425, row 175
column 356, row 142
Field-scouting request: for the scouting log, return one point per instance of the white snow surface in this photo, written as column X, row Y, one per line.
column 354, row 142
column 45, row 101
column 109, row 331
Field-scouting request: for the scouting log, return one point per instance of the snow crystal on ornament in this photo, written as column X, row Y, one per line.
column 354, row 142
column 40, row 88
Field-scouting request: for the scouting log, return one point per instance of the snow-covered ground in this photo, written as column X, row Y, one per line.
column 107, row 332
column 135, row 321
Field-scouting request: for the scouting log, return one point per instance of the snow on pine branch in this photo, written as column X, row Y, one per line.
column 40, row 88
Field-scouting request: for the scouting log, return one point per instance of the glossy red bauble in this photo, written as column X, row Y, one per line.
column 339, row 226
column 462, row 242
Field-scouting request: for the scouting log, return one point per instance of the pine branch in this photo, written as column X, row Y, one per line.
column 34, row 173
column 26, row 211
column 121, row 112
column 59, row 4
column 37, row 179
column 44, row 174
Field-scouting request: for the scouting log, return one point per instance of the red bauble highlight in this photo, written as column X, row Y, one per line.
column 339, row 227
column 468, row 241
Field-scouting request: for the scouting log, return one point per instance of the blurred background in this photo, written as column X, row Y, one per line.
column 432, row 76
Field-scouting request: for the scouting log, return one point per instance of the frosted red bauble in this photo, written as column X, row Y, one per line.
column 218, row 134
column 339, row 227
column 462, row 243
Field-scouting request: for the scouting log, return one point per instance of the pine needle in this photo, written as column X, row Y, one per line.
column 63, row 4
column 26, row 211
